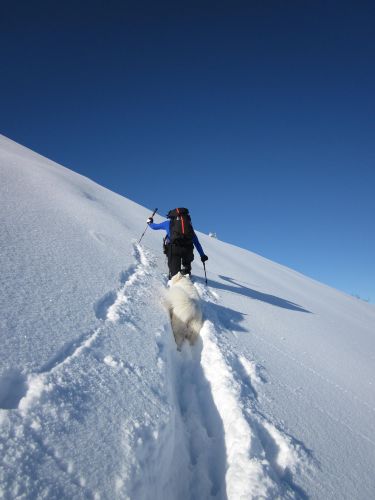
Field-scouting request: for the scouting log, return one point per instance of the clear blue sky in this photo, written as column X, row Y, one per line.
column 259, row 116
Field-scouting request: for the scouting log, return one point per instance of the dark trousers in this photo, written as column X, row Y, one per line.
column 179, row 259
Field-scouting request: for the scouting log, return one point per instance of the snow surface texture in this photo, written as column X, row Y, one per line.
column 276, row 399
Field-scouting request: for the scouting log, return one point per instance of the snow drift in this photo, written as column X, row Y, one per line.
column 276, row 399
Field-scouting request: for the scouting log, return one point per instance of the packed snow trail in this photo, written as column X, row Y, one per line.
column 202, row 428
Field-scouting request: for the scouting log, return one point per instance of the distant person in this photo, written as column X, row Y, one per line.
column 180, row 241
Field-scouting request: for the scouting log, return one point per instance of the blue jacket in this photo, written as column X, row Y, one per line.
column 166, row 225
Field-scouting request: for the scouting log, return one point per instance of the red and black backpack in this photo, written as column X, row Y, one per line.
column 180, row 229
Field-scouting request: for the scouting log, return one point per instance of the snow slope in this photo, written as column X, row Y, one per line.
column 275, row 401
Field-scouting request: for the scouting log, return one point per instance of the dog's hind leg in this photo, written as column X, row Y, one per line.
column 194, row 329
column 179, row 331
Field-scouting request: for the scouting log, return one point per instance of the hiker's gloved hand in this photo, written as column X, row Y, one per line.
column 150, row 220
column 204, row 258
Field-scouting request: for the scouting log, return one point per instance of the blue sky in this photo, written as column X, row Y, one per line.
column 258, row 116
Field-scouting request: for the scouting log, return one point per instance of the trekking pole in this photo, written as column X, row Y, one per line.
column 205, row 274
column 153, row 213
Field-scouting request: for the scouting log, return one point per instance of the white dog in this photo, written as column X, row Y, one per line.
column 182, row 301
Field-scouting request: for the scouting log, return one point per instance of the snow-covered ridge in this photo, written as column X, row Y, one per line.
column 276, row 400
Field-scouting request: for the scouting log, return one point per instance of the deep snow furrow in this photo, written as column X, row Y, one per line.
column 202, row 425
column 286, row 456
column 261, row 458
column 247, row 476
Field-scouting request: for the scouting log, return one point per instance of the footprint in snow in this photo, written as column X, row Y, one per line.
column 13, row 387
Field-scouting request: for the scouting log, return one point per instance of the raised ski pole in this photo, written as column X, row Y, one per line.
column 153, row 213
column 205, row 274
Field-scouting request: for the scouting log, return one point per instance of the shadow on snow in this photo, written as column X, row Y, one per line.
column 233, row 286
column 203, row 425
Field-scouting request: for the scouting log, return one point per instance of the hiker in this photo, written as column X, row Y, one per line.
column 180, row 241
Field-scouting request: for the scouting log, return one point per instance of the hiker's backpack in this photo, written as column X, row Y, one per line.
column 180, row 229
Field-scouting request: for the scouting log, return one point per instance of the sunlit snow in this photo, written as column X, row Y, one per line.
column 276, row 399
